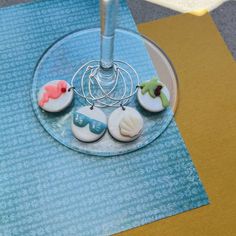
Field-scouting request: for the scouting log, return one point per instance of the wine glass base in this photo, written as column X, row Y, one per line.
column 66, row 56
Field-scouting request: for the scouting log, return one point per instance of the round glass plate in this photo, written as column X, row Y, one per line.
column 62, row 60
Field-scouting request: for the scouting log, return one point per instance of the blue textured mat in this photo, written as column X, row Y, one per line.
column 48, row 189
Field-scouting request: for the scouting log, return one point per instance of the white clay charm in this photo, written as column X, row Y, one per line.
column 55, row 96
column 153, row 95
column 130, row 126
column 89, row 124
column 125, row 124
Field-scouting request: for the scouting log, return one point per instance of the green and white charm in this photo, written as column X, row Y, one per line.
column 153, row 95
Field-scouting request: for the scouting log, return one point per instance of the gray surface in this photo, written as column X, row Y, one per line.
column 224, row 17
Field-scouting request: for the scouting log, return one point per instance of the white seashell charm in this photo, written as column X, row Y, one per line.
column 125, row 124
column 130, row 125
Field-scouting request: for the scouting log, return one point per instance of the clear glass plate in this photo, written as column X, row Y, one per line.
column 63, row 58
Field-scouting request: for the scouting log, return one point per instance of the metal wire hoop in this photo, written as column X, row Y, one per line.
column 125, row 76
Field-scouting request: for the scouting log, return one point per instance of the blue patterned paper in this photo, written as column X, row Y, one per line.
column 48, row 189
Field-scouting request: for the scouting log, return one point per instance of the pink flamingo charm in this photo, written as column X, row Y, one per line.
column 53, row 92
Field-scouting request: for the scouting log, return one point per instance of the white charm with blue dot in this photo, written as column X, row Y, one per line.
column 89, row 124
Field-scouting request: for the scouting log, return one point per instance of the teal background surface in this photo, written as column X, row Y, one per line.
column 48, row 189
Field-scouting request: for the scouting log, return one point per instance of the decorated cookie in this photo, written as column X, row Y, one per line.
column 153, row 95
column 125, row 124
column 89, row 124
column 55, row 96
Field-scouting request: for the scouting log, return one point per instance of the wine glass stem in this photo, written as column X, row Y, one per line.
column 108, row 13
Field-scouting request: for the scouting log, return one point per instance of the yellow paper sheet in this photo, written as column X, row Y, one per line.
column 206, row 116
